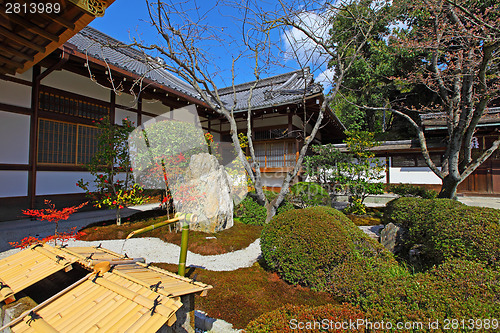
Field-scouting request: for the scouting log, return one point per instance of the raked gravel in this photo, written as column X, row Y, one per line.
column 156, row 250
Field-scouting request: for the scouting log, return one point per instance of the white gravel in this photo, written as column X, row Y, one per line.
column 156, row 250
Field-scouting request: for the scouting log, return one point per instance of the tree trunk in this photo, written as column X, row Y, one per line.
column 271, row 211
column 449, row 187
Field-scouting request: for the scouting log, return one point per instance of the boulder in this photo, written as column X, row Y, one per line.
column 209, row 190
column 392, row 237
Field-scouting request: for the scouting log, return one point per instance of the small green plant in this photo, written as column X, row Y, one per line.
column 306, row 194
column 356, row 207
column 250, row 212
column 111, row 169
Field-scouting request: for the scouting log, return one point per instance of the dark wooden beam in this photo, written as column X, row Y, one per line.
column 14, row 167
column 14, row 52
column 29, row 26
column 21, row 40
column 15, row 79
column 5, row 70
column 10, row 62
column 14, row 109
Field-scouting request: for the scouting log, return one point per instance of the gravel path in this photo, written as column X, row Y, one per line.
column 156, row 250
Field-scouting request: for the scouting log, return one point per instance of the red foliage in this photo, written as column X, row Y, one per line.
column 51, row 214
column 62, row 237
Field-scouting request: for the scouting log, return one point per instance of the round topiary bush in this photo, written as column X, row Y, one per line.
column 307, row 194
column 447, row 229
column 304, row 245
column 293, row 318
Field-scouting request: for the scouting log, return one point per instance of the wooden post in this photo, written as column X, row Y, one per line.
column 33, row 146
column 112, row 99
column 139, row 111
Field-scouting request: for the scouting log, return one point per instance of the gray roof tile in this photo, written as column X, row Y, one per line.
column 276, row 90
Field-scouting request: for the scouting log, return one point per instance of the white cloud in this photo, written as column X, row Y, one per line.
column 298, row 46
column 326, row 79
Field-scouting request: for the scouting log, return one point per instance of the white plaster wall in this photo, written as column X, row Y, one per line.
column 77, row 84
column 28, row 75
column 154, row 106
column 13, row 184
column 60, row 182
column 413, row 175
column 126, row 100
column 14, row 138
column 272, row 179
column 297, row 121
column 270, row 121
column 15, row 94
column 121, row 114
column 187, row 113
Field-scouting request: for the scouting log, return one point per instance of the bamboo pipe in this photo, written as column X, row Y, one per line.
column 184, row 245
column 185, row 219
column 178, row 217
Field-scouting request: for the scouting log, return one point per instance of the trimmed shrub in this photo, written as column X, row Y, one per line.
column 409, row 190
column 312, row 319
column 458, row 289
column 307, row 194
column 304, row 245
column 448, row 229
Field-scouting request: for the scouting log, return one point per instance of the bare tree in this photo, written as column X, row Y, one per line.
column 186, row 39
column 458, row 42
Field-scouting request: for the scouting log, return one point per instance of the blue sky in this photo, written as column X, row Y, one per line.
column 127, row 19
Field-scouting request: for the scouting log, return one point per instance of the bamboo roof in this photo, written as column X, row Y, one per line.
column 120, row 294
column 27, row 267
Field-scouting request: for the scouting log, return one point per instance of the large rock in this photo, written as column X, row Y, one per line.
column 211, row 186
column 392, row 237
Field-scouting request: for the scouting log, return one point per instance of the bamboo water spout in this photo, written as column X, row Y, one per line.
column 185, row 219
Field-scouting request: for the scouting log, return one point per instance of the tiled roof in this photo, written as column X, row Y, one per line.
column 125, row 296
column 272, row 91
column 491, row 116
column 101, row 46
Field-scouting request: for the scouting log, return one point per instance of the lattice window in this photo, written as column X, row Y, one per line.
column 65, row 143
column 72, row 106
column 414, row 160
column 276, row 154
